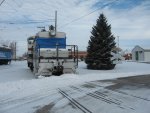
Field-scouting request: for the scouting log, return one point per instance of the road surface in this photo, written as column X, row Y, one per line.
column 122, row 95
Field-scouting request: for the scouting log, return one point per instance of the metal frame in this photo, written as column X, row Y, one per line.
column 74, row 54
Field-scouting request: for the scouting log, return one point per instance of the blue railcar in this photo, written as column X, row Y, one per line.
column 5, row 55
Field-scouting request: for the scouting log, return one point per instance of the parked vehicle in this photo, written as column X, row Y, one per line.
column 30, row 52
column 5, row 55
column 48, row 54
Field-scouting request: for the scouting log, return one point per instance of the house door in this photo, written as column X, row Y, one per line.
column 136, row 55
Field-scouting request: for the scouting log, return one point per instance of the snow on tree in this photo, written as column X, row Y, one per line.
column 100, row 46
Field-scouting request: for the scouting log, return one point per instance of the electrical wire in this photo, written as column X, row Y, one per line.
column 86, row 15
column 31, row 22
column 2, row 2
column 28, row 22
column 23, row 22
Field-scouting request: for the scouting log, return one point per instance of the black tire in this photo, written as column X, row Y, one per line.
column 31, row 68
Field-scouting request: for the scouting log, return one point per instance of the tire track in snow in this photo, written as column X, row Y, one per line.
column 121, row 92
column 102, row 96
column 74, row 102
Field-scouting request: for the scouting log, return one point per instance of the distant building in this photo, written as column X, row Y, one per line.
column 82, row 54
column 127, row 56
column 117, row 49
column 140, row 54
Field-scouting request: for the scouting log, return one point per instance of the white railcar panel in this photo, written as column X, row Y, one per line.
column 147, row 56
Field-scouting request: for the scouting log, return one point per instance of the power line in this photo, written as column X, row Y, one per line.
column 31, row 22
column 27, row 22
column 16, row 3
column 78, row 18
column 86, row 14
column 2, row 2
column 6, row 2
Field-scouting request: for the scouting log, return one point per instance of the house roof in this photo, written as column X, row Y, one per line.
column 145, row 48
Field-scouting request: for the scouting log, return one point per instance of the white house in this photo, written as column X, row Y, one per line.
column 140, row 54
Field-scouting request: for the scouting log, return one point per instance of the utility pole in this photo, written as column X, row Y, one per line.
column 15, row 51
column 55, row 21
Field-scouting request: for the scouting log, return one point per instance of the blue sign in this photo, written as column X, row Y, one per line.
column 5, row 55
column 50, row 42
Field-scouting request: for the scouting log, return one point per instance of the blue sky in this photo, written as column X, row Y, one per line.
column 129, row 20
column 118, row 4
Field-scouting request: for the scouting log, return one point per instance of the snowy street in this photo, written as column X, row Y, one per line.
column 90, row 91
column 96, row 97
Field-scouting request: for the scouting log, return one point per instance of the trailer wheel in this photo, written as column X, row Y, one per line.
column 6, row 62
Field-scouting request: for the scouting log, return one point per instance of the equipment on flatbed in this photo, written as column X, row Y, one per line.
column 48, row 54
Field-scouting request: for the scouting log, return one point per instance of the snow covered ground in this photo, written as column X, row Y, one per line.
column 21, row 92
column 17, row 71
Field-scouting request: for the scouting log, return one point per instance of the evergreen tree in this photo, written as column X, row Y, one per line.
column 100, row 46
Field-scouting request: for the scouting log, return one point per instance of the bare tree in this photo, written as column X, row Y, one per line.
column 13, row 46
